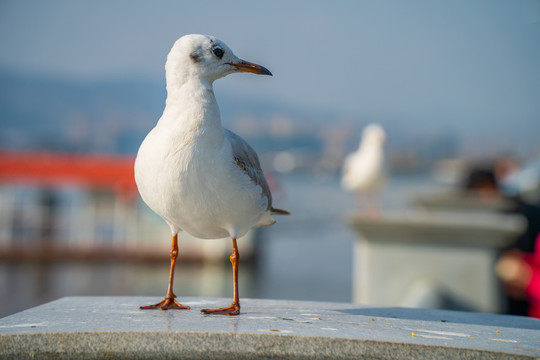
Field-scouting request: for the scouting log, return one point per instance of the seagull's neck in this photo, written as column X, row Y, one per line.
column 191, row 106
column 191, row 92
column 370, row 146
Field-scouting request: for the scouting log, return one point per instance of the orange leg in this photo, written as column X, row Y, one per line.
column 234, row 308
column 169, row 302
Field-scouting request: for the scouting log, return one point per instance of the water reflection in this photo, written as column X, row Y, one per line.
column 30, row 284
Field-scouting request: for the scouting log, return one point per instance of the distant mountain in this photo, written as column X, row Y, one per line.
column 44, row 112
column 54, row 113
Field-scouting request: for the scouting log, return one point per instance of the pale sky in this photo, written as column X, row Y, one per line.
column 468, row 64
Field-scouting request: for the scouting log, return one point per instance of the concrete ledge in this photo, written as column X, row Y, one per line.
column 443, row 258
column 443, row 228
column 114, row 328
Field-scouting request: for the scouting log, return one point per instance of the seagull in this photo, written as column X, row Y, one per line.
column 199, row 177
column 363, row 170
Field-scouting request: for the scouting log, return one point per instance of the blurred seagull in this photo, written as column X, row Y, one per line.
column 363, row 170
column 198, row 176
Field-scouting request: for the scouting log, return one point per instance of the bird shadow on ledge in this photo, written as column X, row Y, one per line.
column 447, row 316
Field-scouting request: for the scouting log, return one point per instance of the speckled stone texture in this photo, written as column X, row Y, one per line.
column 114, row 328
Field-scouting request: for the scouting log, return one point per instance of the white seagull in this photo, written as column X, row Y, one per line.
column 198, row 176
column 363, row 170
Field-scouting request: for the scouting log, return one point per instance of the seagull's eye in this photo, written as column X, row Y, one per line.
column 218, row 52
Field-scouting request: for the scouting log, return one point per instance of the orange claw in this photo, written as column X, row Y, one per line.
column 165, row 304
column 234, row 309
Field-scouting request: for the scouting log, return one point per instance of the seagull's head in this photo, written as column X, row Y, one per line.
column 207, row 58
column 374, row 134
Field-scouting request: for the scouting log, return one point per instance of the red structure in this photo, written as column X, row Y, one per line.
column 57, row 169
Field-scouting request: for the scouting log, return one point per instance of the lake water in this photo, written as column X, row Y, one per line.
column 304, row 256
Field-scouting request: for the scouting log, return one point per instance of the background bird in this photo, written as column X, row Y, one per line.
column 198, row 176
column 364, row 171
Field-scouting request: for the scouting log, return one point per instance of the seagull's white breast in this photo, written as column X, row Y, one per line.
column 363, row 170
column 190, row 179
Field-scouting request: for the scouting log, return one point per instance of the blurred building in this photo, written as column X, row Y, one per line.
column 58, row 206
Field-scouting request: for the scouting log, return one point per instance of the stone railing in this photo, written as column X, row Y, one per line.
column 114, row 328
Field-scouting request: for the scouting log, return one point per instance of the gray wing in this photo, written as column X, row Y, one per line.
column 246, row 158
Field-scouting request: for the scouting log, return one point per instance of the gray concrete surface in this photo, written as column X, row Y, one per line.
column 114, row 328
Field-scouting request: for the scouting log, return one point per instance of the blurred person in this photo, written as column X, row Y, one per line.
column 499, row 180
column 495, row 180
column 513, row 181
column 525, row 244
column 482, row 182
column 520, row 275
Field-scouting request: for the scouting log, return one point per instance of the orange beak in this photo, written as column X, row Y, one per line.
column 245, row 66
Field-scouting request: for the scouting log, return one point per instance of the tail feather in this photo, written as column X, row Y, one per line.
column 279, row 212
